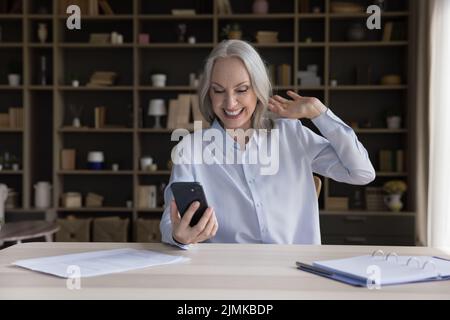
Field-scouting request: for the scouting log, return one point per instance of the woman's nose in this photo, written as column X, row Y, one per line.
column 230, row 101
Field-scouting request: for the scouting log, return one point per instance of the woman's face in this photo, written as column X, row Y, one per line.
column 232, row 96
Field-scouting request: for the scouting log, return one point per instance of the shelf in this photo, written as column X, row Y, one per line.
column 154, row 173
column 40, row 88
column 85, row 88
column 367, row 87
column 251, row 16
column 30, row 210
column 167, row 88
column 40, row 16
column 102, row 17
column 381, row 131
column 93, row 130
column 10, row 88
column 11, row 44
column 40, row 45
column 144, row 17
column 274, row 45
column 394, row 14
column 9, row 16
column 354, row 44
column 311, row 44
column 81, row 45
column 299, row 88
column 10, row 172
column 151, row 130
column 95, row 172
column 176, row 46
column 159, row 209
column 368, row 213
column 391, row 174
column 100, row 209
column 11, row 130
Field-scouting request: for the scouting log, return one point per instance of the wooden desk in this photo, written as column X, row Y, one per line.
column 216, row 271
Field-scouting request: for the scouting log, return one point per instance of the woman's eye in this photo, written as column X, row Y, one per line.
column 218, row 91
column 243, row 90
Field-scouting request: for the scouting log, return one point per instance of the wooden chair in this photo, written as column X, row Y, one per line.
column 318, row 184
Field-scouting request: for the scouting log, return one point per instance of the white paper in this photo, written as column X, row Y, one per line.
column 96, row 263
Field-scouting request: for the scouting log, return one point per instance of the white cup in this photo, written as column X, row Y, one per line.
column 146, row 163
column 394, row 122
column 14, row 79
column 159, row 80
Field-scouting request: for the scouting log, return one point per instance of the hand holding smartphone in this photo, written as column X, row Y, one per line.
column 185, row 194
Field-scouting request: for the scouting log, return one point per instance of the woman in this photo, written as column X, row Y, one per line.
column 245, row 205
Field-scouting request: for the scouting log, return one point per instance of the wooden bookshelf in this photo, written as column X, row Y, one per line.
column 47, row 125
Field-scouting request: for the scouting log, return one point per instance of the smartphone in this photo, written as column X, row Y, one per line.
column 185, row 194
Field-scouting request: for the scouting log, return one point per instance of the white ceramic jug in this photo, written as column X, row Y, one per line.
column 42, row 194
column 3, row 196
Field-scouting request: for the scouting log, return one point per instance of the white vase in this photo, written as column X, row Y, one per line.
column 42, row 196
column 260, row 7
column 42, row 32
column 394, row 122
column 14, row 79
column 394, row 202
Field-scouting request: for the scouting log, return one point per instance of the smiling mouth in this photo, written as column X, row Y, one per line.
column 233, row 114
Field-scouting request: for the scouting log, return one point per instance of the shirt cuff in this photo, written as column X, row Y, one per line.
column 328, row 122
column 179, row 244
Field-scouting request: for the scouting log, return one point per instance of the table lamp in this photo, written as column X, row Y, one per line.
column 157, row 108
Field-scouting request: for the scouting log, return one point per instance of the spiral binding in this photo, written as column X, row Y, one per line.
column 381, row 254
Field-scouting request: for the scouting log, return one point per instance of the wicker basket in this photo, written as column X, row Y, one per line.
column 110, row 229
column 73, row 230
column 147, row 230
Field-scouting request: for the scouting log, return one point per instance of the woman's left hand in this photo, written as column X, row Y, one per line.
column 298, row 108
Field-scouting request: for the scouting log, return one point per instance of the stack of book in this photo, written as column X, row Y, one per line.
column 374, row 199
column 337, row 203
column 15, row 118
column 182, row 110
column 94, row 200
column 102, row 78
column 392, row 161
column 267, row 37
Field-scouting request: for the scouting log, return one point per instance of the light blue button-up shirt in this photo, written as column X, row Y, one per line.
column 277, row 208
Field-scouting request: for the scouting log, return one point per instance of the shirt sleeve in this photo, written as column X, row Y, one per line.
column 181, row 171
column 338, row 154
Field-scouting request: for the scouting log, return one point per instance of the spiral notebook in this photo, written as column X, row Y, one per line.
column 380, row 268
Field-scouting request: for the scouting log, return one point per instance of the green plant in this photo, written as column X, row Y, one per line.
column 230, row 27
column 395, row 186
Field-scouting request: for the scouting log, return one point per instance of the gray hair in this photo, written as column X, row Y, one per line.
column 258, row 77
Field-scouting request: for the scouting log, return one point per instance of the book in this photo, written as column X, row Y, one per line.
column 379, row 269
column 284, row 75
column 400, row 161
column 4, row 120
column 172, row 114
column 184, row 111
column 196, row 113
column 100, row 117
column 387, row 31
column 386, row 161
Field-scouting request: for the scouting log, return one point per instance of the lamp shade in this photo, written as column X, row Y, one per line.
column 157, row 107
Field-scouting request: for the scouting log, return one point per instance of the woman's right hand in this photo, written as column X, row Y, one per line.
column 183, row 233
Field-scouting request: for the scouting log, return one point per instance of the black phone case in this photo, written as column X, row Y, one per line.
column 185, row 194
